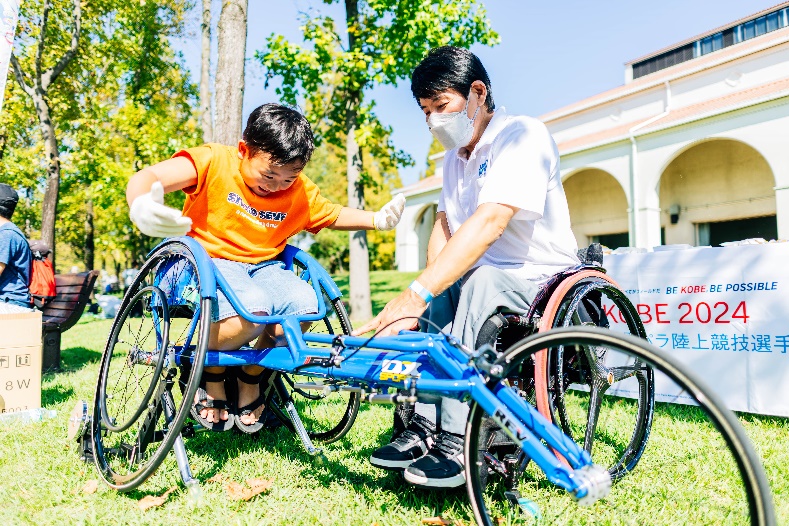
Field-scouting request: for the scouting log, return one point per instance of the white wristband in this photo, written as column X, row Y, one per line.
column 421, row 291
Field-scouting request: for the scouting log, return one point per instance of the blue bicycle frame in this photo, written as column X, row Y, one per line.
column 415, row 362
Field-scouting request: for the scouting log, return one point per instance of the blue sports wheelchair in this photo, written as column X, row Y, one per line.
column 158, row 346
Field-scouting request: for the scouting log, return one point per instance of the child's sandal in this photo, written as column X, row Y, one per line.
column 248, row 409
column 203, row 402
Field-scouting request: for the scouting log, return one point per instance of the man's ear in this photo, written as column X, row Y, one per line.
column 478, row 87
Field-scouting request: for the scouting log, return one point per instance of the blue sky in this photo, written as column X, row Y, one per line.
column 552, row 53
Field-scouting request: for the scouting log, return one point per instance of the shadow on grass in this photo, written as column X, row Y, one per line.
column 75, row 358
column 55, row 395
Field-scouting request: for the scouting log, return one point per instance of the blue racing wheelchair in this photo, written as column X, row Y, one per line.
column 158, row 347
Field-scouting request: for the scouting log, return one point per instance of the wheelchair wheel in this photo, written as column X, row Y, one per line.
column 137, row 413
column 699, row 467
column 327, row 411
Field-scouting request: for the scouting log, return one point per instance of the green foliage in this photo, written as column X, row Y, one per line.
column 385, row 43
column 326, row 169
column 385, row 39
column 430, row 171
column 124, row 102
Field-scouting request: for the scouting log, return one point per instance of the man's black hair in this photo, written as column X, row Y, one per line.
column 8, row 200
column 281, row 132
column 449, row 68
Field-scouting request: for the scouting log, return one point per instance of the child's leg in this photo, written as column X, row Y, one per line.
column 229, row 331
column 247, row 393
column 228, row 334
column 289, row 296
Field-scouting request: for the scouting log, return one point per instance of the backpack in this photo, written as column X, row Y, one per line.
column 42, row 277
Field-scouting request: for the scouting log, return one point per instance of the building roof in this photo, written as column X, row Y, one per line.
column 711, row 32
column 422, row 186
column 768, row 40
column 732, row 101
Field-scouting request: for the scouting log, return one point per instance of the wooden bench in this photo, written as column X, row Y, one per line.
column 73, row 293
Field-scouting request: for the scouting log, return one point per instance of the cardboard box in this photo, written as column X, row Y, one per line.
column 20, row 361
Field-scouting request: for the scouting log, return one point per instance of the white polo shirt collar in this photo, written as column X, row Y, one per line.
column 495, row 125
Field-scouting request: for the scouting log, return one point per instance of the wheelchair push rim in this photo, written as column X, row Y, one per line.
column 741, row 493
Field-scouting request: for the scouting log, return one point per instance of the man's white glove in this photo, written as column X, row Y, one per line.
column 388, row 216
column 156, row 220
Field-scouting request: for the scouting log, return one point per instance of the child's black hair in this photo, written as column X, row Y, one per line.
column 449, row 68
column 281, row 132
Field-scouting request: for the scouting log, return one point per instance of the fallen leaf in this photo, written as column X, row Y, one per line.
column 90, row 487
column 152, row 501
column 216, row 478
column 237, row 491
column 500, row 520
column 234, row 490
column 437, row 521
column 263, row 484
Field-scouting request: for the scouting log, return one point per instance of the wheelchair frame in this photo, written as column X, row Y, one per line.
column 411, row 363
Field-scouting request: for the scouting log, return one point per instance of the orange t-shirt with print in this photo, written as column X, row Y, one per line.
column 232, row 222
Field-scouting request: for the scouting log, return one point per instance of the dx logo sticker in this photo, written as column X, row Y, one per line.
column 397, row 371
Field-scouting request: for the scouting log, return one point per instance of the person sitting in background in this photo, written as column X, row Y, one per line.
column 15, row 255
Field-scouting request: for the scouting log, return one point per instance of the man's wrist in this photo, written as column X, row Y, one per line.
column 421, row 291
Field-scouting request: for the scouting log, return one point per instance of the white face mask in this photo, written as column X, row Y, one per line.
column 454, row 129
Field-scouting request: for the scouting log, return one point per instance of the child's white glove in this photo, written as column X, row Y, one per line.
column 388, row 216
column 156, row 220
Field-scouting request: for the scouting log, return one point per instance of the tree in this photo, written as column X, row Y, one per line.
column 123, row 102
column 51, row 57
column 331, row 246
column 383, row 41
column 430, row 170
column 229, row 81
column 205, row 71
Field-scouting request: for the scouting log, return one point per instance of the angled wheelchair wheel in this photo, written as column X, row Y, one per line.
column 612, row 430
column 137, row 413
column 326, row 410
column 699, row 466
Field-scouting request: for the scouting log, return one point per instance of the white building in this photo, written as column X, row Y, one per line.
column 693, row 148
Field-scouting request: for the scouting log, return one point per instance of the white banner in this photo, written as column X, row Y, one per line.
column 9, row 16
column 722, row 311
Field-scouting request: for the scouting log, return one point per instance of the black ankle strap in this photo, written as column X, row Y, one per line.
column 213, row 377
column 249, row 378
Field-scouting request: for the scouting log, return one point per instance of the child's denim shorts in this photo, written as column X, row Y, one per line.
column 263, row 287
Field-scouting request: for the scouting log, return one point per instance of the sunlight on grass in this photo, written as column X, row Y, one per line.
column 44, row 477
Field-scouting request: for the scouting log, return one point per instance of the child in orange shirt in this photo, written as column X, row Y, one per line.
column 242, row 205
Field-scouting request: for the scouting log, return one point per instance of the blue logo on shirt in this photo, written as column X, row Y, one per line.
column 483, row 168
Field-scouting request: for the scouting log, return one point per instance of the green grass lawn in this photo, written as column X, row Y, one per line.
column 43, row 479
column 384, row 285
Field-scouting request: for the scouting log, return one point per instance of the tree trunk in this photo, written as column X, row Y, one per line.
column 90, row 252
column 205, row 69
column 361, row 306
column 359, row 279
column 229, row 83
column 52, row 190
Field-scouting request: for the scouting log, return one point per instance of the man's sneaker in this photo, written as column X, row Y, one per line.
column 442, row 466
column 410, row 445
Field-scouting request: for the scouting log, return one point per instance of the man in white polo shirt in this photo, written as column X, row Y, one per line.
column 502, row 228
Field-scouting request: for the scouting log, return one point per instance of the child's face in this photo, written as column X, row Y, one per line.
column 264, row 177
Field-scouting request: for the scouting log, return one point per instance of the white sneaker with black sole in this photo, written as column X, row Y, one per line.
column 442, row 466
column 407, row 447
